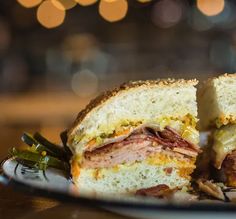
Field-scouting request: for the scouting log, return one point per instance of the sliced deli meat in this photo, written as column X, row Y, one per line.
column 229, row 169
column 125, row 151
column 137, row 146
column 159, row 191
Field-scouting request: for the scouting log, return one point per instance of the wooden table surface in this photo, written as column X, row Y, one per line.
column 14, row 204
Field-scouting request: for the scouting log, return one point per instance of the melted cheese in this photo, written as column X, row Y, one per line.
column 75, row 169
column 186, row 128
column 224, row 143
column 124, row 126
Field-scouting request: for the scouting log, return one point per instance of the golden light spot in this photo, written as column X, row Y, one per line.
column 84, row 83
column 64, row 4
column 29, row 3
column 144, row 1
column 86, row 2
column 113, row 10
column 50, row 16
column 210, row 7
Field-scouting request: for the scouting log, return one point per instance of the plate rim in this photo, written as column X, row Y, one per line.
column 83, row 200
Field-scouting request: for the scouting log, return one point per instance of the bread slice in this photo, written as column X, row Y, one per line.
column 217, row 110
column 161, row 103
column 136, row 102
column 217, row 105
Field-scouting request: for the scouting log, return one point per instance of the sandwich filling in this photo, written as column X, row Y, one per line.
column 139, row 145
column 134, row 144
column 185, row 126
column 229, row 167
column 225, row 152
column 224, row 143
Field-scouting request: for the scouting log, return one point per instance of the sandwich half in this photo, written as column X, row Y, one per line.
column 217, row 109
column 137, row 136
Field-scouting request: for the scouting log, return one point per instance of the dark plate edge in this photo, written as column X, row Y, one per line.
column 31, row 190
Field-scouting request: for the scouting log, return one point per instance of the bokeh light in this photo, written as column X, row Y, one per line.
column 144, row 1
column 210, row 7
column 84, row 83
column 113, row 10
column 226, row 18
column 77, row 46
column 64, row 4
column 167, row 13
column 86, row 2
column 50, row 16
column 29, row 3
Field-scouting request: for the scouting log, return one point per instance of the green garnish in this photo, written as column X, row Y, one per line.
column 59, row 151
column 42, row 154
column 64, row 139
column 40, row 161
column 29, row 140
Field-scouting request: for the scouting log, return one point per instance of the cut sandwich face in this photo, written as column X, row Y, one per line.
column 224, row 156
column 218, row 110
column 145, row 135
column 217, row 105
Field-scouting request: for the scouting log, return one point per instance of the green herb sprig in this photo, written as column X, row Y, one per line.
column 42, row 153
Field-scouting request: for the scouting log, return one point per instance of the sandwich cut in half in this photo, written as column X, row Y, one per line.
column 137, row 136
column 217, row 101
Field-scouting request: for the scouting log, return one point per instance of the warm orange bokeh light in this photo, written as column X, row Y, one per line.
column 144, row 1
column 64, row 4
column 113, row 10
column 29, row 3
column 210, row 7
column 50, row 16
column 86, row 2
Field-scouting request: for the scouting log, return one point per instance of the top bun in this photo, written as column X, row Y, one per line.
column 132, row 102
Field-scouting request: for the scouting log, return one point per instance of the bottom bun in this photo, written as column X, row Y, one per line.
column 128, row 178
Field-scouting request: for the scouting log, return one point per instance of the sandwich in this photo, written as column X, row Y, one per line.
column 140, row 135
column 217, row 110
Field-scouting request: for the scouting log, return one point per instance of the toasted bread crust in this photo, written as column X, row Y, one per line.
column 221, row 76
column 124, row 87
column 203, row 85
column 226, row 75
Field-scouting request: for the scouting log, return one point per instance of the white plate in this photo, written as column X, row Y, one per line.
column 55, row 184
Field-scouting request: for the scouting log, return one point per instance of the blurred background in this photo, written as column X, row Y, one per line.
column 55, row 55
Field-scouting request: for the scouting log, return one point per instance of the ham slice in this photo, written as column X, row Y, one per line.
column 121, row 137
column 230, row 162
column 140, row 144
column 163, row 191
column 159, row 191
column 229, row 169
column 132, row 149
column 170, row 138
